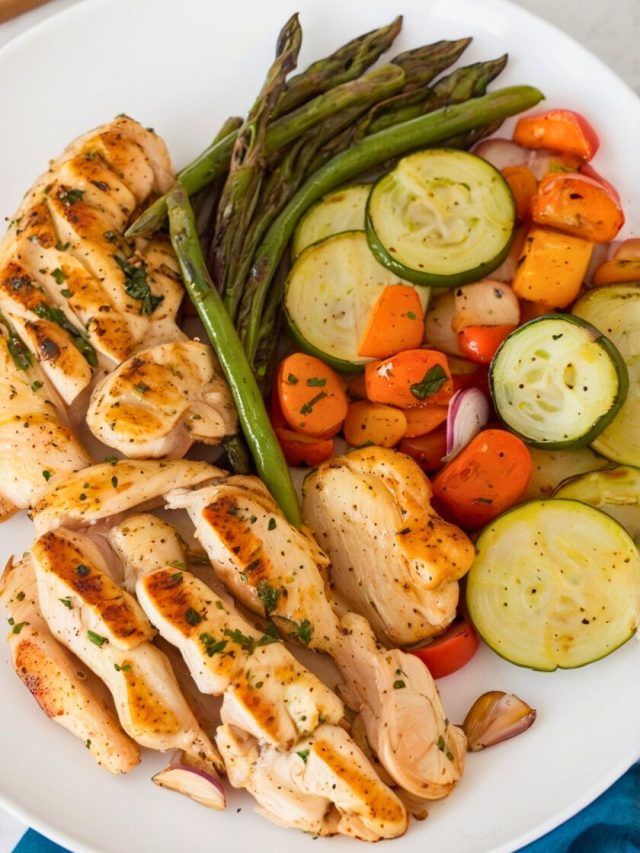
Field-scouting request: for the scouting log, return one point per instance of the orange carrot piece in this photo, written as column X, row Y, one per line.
column 524, row 186
column 396, row 323
column 311, row 396
column 617, row 272
column 374, row 423
column 485, row 479
column 410, row 378
column 579, row 206
column 304, row 449
column 560, row 130
column 424, row 419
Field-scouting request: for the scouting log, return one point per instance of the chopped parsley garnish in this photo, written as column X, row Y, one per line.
column 268, row 596
column 308, row 407
column 272, row 524
column 246, row 643
column 112, row 459
column 59, row 276
column 302, row 632
column 36, row 385
column 97, row 639
column 211, row 645
column 87, row 743
column 193, row 617
column 442, row 746
column 137, row 286
column 82, row 570
column 114, row 482
column 142, row 387
column 197, row 559
column 399, row 684
column 177, row 564
column 67, row 602
column 316, row 382
column 69, row 197
column 292, row 379
column 110, row 236
column 411, row 315
column 47, row 474
column 18, row 627
column 55, row 315
column 126, row 667
column 304, row 754
column 430, row 384
column 62, row 247
column 18, row 351
column 66, row 293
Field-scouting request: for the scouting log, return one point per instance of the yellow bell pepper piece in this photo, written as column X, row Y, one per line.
column 551, row 268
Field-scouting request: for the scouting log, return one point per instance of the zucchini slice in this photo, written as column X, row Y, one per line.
column 441, row 218
column 616, row 492
column 558, row 382
column 615, row 310
column 555, row 583
column 342, row 210
column 329, row 294
column 552, row 467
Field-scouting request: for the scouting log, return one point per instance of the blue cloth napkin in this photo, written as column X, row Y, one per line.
column 611, row 824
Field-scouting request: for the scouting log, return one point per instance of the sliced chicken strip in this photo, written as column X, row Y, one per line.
column 106, row 629
column 111, row 488
column 267, row 564
column 67, row 694
column 282, row 578
column 393, row 559
column 324, row 785
column 266, row 691
column 143, row 542
column 161, row 401
column 401, row 711
column 37, row 447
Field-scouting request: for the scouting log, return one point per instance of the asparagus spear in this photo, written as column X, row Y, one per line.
column 423, row 64
column 392, row 142
column 270, row 462
column 242, row 187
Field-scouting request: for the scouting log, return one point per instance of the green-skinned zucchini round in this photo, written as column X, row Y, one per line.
column 342, row 210
column 557, row 382
column 441, row 218
column 555, row 584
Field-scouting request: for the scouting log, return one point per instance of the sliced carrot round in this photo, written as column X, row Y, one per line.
column 311, row 396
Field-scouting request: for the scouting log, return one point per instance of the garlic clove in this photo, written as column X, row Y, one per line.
column 494, row 717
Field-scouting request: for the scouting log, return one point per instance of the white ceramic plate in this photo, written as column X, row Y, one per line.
column 182, row 67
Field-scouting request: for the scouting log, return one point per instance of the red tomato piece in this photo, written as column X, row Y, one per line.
column 303, row 449
column 480, row 343
column 427, row 450
column 560, row 130
column 450, row 651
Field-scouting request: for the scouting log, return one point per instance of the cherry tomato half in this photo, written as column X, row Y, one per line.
column 450, row 651
column 480, row 343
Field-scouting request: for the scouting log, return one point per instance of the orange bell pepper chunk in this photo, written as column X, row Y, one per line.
column 424, row 419
column 524, row 186
column 396, row 323
column 579, row 206
column 560, row 130
column 410, row 378
column 552, row 267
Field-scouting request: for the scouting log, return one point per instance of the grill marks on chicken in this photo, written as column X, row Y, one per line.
column 161, row 401
column 76, row 292
column 393, row 559
column 63, row 689
column 37, row 446
column 104, row 626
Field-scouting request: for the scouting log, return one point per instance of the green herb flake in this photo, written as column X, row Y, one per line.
column 308, row 407
column 441, row 744
column 302, row 632
column 268, row 596
column 292, row 379
column 112, row 459
column 137, row 286
column 211, row 645
column 142, row 387
column 193, row 617
column 62, row 247
column 97, row 639
column 411, row 315
column 18, row 627
column 272, row 524
column 114, row 482
column 55, row 315
column 20, row 596
column 87, row 743
column 246, row 643
column 69, row 197
column 316, row 382
column 304, row 754
column 67, row 602
column 124, row 668
column 430, row 384
column 47, row 474
column 59, row 276
column 399, row 684
column 36, row 386
column 66, row 293
column 82, row 570
column 177, row 564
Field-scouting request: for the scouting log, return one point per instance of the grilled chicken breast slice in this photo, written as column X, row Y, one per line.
column 265, row 563
column 37, row 447
column 110, row 488
column 161, row 401
column 324, row 785
column 393, row 559
column 64, row 690
column 143, row 542
column 79, row 295
column 106, row 629
column 266, row 691
column 401, row 710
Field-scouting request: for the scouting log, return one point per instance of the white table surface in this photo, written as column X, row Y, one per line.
column 610, row 30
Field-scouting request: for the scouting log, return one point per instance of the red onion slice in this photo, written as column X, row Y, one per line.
column 501, row 153
column 198, row 785
column 468, row 413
